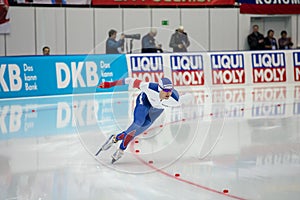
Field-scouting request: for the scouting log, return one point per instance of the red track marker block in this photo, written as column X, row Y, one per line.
column 177, row 175
column 136, row 141
column 33, row 111
column 225, row 191
column 137, row 151
column 150, row 161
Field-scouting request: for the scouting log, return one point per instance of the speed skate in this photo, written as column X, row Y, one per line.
column 107, row 145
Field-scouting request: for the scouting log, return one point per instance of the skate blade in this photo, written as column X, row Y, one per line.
column 98, row 151
column 113, row 161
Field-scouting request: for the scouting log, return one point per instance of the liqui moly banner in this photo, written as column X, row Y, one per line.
column 187, row 69
column 269, row 6
column 268, row 67
column 227, row 68
column 149, row 68
column 163, row 2
column 296, row 62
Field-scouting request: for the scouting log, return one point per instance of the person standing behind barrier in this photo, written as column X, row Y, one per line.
column 285, row 42
column 149, row 44
column 270, row 41
column 112, row 45
column 46, row 51
column 255, row 39
column 179, row 40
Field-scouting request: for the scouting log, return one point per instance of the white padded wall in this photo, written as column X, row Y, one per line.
column 277, row 23
column 295, row 30
column 297, row 36
column 164, row 32
column 21, row 40
column 51, row 30
column 80, row 31
column 244, row 30
column 2, row 45
column 106, row 19
column 196, row 24
column 223, row 29
column 136, row 21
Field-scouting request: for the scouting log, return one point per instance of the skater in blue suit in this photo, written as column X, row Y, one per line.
column 150, row 103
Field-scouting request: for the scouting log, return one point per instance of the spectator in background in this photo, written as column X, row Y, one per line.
column 270, row 41
column 285, row 42
column 179, row 40
column 148, row 43
column 112, row 45
column 255, row 39
column 46, row 51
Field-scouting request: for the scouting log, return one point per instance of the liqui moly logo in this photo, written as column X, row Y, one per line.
column 268, row 67
column 187, row 70
column 228, row 68
column 147, row 68
column 296, row 61
column 269, row 101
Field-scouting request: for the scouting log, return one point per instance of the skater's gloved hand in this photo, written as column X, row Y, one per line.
column 111, row 84
column 105, row 85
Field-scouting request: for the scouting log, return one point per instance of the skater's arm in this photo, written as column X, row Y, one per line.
column 132, row 82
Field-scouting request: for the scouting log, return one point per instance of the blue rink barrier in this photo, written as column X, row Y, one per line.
column 24, row 76
column 75, row 74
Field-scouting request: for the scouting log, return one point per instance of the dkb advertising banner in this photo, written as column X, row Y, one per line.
column 55, row 75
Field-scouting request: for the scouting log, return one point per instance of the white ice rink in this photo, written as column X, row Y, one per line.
column 227, row 143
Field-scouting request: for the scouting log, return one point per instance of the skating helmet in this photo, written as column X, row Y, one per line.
column 165, row 84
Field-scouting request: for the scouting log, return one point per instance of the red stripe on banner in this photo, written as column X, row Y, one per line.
column 269, row 9
column 162, row 2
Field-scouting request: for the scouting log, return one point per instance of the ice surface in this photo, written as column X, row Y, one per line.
column 245, row 140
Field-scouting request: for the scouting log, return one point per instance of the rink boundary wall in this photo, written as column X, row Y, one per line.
column 27, row 76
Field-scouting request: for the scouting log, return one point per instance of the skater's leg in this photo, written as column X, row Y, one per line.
column 154, row 113
column 149, row 119
column 140, row 114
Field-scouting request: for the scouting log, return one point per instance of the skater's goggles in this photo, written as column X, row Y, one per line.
column 167, row 90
